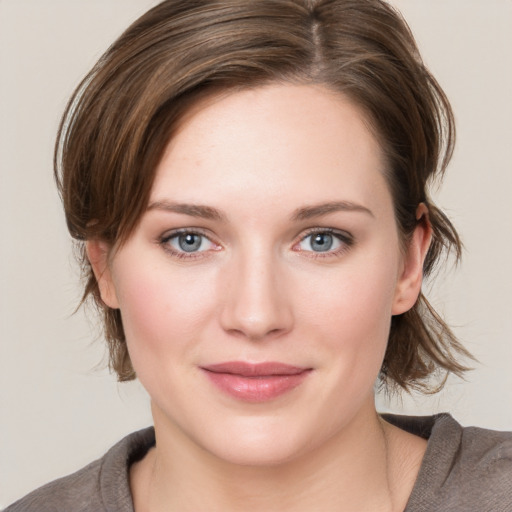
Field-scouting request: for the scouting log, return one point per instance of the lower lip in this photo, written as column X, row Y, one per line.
column 256, row 389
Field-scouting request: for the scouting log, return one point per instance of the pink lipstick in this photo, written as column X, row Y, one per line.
column 255, row 382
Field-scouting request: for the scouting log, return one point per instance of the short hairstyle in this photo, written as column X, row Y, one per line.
column 124, row 112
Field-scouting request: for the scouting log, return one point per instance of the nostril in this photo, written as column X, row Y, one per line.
column 263, row 329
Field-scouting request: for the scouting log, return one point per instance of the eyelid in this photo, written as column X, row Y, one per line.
column 165, row 238
column 340, row 233
column 181, row 231
column 344, row 237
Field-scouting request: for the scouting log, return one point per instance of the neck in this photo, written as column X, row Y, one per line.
column 361, row 468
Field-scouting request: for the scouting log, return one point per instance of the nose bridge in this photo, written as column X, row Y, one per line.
column 256, row 304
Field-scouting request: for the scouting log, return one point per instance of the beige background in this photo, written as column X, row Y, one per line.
column 59, row 410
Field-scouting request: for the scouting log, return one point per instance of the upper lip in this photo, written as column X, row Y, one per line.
column 246, row 369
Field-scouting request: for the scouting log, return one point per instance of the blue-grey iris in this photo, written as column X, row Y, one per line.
column 189, row 242
column 321, row 242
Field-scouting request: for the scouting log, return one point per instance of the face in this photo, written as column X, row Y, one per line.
column 257, row 292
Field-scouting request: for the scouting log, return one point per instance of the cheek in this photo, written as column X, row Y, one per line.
column 351, row 310
column 161, row 311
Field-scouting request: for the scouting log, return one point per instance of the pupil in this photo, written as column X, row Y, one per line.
column 322, row 242
column 189, row 242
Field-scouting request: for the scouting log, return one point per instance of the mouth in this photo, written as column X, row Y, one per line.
column 258, row 382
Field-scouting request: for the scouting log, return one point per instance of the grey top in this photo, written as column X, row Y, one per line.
column 463, row 470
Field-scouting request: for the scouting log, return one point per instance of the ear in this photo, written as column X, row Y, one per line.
column 411, row 276
column 98, row 254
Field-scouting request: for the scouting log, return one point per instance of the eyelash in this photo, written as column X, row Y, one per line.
column 165, row 239
column 346, row 240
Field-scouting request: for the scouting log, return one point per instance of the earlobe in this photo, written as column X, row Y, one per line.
column 409, row 282
column 98, row 252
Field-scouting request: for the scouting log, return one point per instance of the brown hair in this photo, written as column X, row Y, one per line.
column 121, row 117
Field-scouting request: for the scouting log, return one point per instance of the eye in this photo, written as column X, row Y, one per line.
column 186, row 243
column 325, row 241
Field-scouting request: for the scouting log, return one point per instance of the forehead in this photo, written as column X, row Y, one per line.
column 278, row 144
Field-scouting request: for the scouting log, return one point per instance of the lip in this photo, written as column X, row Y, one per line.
column 255, row 382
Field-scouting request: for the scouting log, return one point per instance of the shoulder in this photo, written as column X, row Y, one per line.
column 100, row 486
column 475, row 454
column 74, row 492
column 464, row 468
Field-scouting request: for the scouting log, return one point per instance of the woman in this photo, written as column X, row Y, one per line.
column 249, row 184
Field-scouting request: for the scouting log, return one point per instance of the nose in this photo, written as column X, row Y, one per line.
column 256, row 304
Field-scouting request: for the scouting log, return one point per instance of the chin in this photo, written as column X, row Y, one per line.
column 259, row 451
column 272, row 440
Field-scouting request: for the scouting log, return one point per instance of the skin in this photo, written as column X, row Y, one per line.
column 258, row 290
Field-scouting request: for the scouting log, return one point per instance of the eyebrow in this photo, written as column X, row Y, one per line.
column 194, row 210
column 304, row 213
column 318, row 210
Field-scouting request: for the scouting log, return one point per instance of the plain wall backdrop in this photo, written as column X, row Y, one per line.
column 60, row 408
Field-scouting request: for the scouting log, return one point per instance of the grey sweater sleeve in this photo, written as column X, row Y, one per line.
column 79, row 492
column 463, row 470
column 102, row 486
